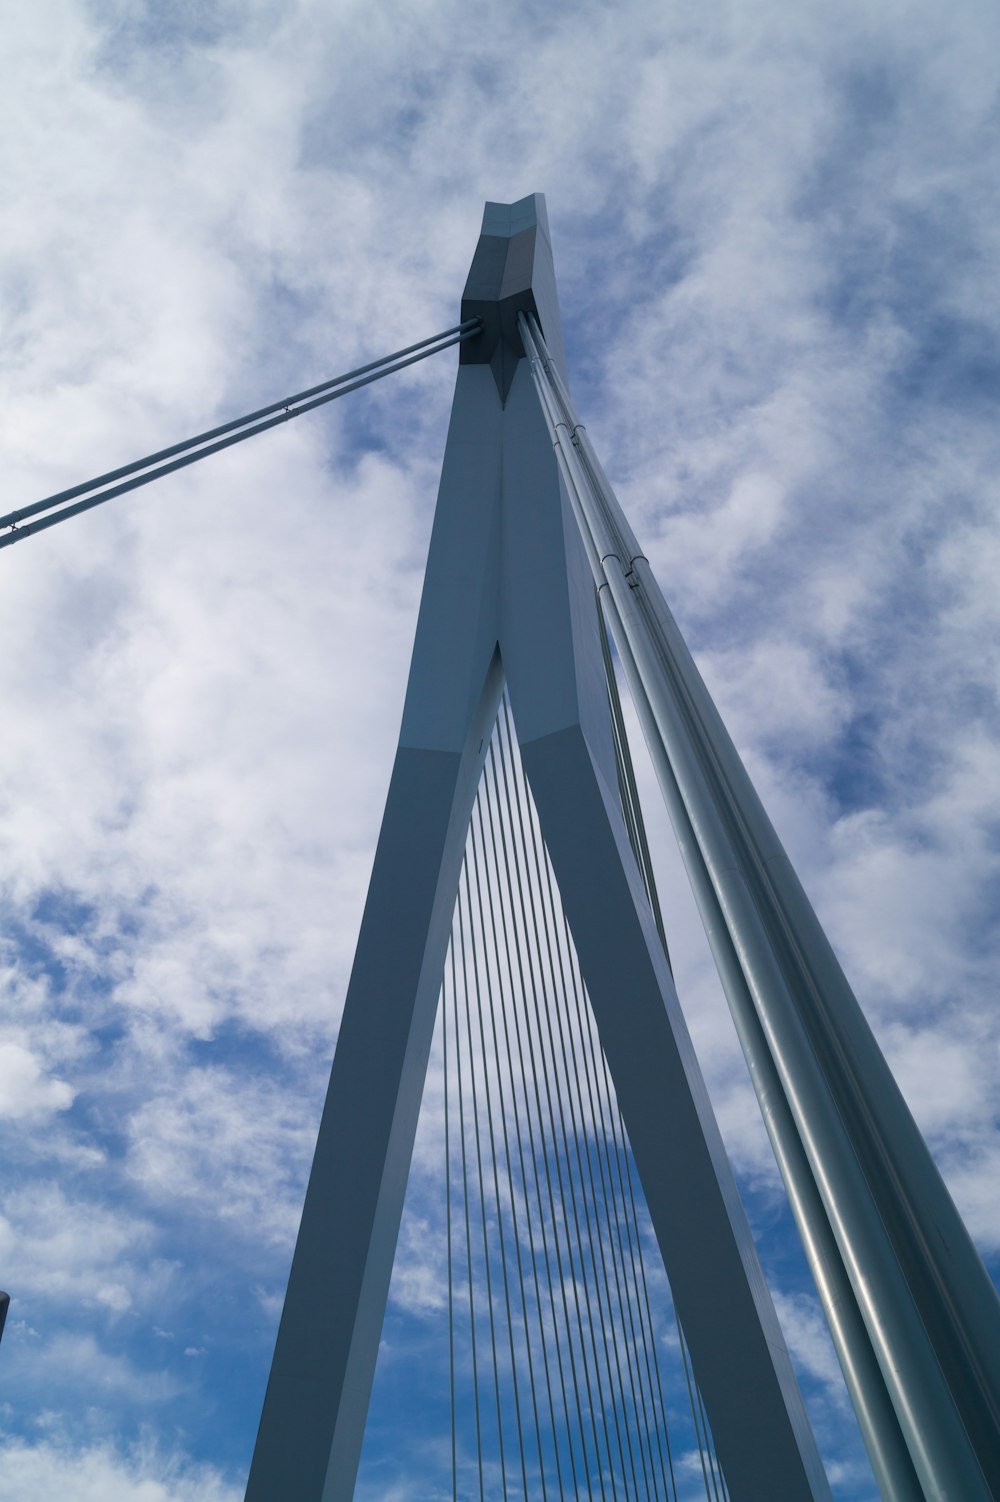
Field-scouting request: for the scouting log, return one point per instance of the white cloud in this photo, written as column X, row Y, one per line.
column 77, row 1364
column 775, row 234
column 809, row 1341
column 25, row 1089
column 68, row 1252
column 419, row 1277
column 225, row 1147
column 49, row 1472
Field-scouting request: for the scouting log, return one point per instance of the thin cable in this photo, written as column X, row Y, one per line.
column 550, row 985
column 479, row 1149
column 492, row 804
column 13, row 518
column 474, row 846
column 545, row 1157
column 546, row 1053
column 576, row 1132
column 628, row 1217
column 599, row 1136
column 694, row 1406
column 625, row 1312
column 636, row 1257
column 535, row 992
column 540, row 1151
column 713, row 1459
column 617, row 536
column 616, row 1209
column 468, row 1228
column 451, row 1280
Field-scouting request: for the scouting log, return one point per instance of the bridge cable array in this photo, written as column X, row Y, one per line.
column 911, row 1308
column 190, row 450
column 555, row 1356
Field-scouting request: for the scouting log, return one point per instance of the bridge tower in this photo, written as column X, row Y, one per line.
column 526, row 530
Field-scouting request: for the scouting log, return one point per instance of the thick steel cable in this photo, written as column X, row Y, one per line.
column 637, row 834
column 530, row 1128
column 542, row 386
column 543, row 884
column 498, row 739
column 479, row 1149
column 536, row 993
column 641, row 847
column 626, row 804
column 475, row 844
column 292, row 406
column 468, row 1230
column 918, row 1369
column 626, row 774
column 624, row 791
column 227, row 427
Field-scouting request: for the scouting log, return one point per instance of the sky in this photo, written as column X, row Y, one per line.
column 776, row 235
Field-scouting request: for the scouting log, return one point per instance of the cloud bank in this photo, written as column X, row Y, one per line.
column 775, row 233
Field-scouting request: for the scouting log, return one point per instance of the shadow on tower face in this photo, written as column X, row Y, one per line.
column 512, row 272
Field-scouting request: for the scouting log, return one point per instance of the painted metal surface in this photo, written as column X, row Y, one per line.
column 508, row 590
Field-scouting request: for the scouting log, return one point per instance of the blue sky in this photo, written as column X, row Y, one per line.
column 776, row 237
